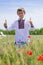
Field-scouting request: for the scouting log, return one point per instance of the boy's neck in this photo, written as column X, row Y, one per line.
column 21, row 19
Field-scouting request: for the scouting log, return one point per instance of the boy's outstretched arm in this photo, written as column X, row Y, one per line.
column 11, row 27
column 31, row 25
column 5, row 24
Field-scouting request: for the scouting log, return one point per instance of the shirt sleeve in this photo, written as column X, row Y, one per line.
column 12, row 26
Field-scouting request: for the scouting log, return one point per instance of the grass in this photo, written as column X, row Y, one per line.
column 9, row 52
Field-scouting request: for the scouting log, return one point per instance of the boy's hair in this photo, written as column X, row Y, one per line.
column 21, row 9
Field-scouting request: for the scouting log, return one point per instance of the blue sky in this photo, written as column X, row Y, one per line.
column 34, row 9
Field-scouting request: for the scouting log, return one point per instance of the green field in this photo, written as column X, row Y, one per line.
column 9, row 52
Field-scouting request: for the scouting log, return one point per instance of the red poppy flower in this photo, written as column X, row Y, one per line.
column 20, row 50
column 6, row 64
column 41, row 54
column 31, row 42
column 29, row 36
column 40, row 57
column 29, row 52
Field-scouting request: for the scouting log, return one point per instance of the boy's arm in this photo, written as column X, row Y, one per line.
column 5, row 24
column 31, row 25
column 12, row 27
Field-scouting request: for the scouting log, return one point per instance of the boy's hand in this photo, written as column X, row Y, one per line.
column 31, row 23
column 5, row 24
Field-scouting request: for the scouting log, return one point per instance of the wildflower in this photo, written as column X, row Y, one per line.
column 30, row 42
column 40, row 57
column 6, row 64
column 29, row 52
column 29, row 36
column 20, row 50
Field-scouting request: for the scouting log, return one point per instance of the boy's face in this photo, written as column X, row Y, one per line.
column 21, row 14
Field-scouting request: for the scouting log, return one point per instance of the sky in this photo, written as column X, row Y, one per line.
column 33, row 8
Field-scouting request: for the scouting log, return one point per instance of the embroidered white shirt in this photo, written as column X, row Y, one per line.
column 21, row 34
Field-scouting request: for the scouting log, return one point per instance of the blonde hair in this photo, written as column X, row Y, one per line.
column 21, row 9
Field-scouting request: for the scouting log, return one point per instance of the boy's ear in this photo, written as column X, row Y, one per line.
column 17, row 13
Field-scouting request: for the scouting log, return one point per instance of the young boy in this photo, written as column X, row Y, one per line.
column 22, row 27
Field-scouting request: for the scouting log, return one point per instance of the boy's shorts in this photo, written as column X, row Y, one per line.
column 19, row 44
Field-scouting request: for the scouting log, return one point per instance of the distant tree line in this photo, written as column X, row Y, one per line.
column 12, row 32
column 35, row 32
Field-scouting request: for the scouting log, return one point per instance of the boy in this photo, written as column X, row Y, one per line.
column 21, row 27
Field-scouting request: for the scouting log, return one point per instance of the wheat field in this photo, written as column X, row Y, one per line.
column 11, row 55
